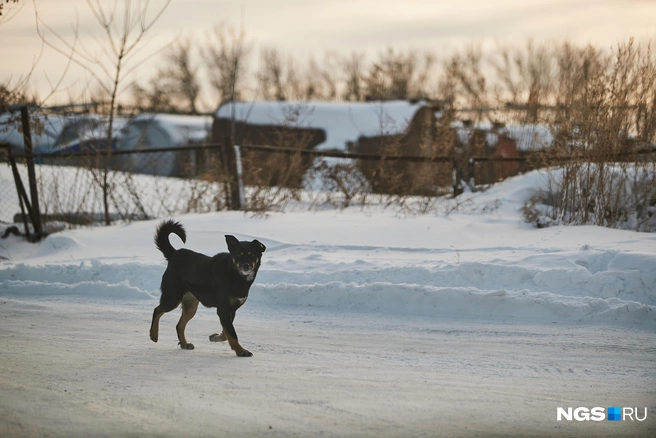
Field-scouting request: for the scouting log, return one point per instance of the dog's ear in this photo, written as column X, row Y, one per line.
column 260, row 245
column 233, row 243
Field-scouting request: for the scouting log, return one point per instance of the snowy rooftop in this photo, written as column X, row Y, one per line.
column 527, row 136
column 52, row 126
column 342, row 122
column 59, row 131
column 181, row 128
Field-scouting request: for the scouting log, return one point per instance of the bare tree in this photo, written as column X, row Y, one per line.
column 321, row 79
column 226, row 56
column 526, row 76
column 468, row 72
column 14, row 91
column 154, row 96
column 285, row 77
column 123, row 37
column 271, row 77
column 353, row 69
column 398, row 75
column 282, row 77
column 295, row 80
column 182, row 74
column 12, row 95
column 8, row 13
column 175, row 87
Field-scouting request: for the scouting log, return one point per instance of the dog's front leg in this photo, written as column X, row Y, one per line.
column 230, row 333
column 221, row 337
column 218, row 337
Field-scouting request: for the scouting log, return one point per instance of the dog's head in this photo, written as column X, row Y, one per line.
column 245, row 256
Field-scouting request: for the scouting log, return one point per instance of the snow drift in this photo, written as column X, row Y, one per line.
column 463, row 265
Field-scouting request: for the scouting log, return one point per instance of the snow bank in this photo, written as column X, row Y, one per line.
column 468, row 264
column 581, row 285
column 585, row 285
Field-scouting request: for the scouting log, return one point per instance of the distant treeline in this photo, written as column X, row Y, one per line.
column 198, row 75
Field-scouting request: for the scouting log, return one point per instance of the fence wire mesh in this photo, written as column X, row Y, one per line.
column 77, row 188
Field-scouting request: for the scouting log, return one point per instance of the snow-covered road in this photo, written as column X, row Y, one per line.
column 362, row 323
column 80, row 368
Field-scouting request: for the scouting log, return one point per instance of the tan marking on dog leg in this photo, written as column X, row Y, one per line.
column 189, row 307
column 238, row 349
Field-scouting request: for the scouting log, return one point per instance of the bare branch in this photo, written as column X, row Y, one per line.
column 5, row 18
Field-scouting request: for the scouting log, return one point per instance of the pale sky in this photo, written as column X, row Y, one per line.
column 305, row 27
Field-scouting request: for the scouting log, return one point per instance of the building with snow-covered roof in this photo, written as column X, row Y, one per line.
column 355, row 127
column 154, row 131
column 528, row 137
column 498, row 140
column 139, row 133
column 342, row 123
column 85, row 133
column 50, row 127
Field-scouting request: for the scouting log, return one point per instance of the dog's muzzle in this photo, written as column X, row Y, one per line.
column 245, row 268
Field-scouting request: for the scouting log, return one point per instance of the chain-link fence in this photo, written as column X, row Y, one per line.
column 9, row 199
column 83, row 187
column 144, row 173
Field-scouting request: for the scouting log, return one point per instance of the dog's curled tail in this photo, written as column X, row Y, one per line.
column 162, row 236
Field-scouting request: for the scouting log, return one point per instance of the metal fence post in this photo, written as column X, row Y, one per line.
column 455, row 179
column 471, row 179
column 232, row 170
column 240, row 176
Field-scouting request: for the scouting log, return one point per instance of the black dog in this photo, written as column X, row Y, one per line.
column 221, row 281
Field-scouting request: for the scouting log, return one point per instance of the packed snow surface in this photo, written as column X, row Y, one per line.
column 361, row 324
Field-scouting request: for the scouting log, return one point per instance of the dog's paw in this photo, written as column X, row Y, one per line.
column 216, row 337
column 188, row 346
column 245, row 353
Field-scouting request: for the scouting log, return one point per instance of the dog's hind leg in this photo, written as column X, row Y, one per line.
column 171, row 297
column 157, row 314
column 189, row 307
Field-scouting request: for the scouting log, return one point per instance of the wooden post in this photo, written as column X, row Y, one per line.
column 31, row 174
column 22, row 197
